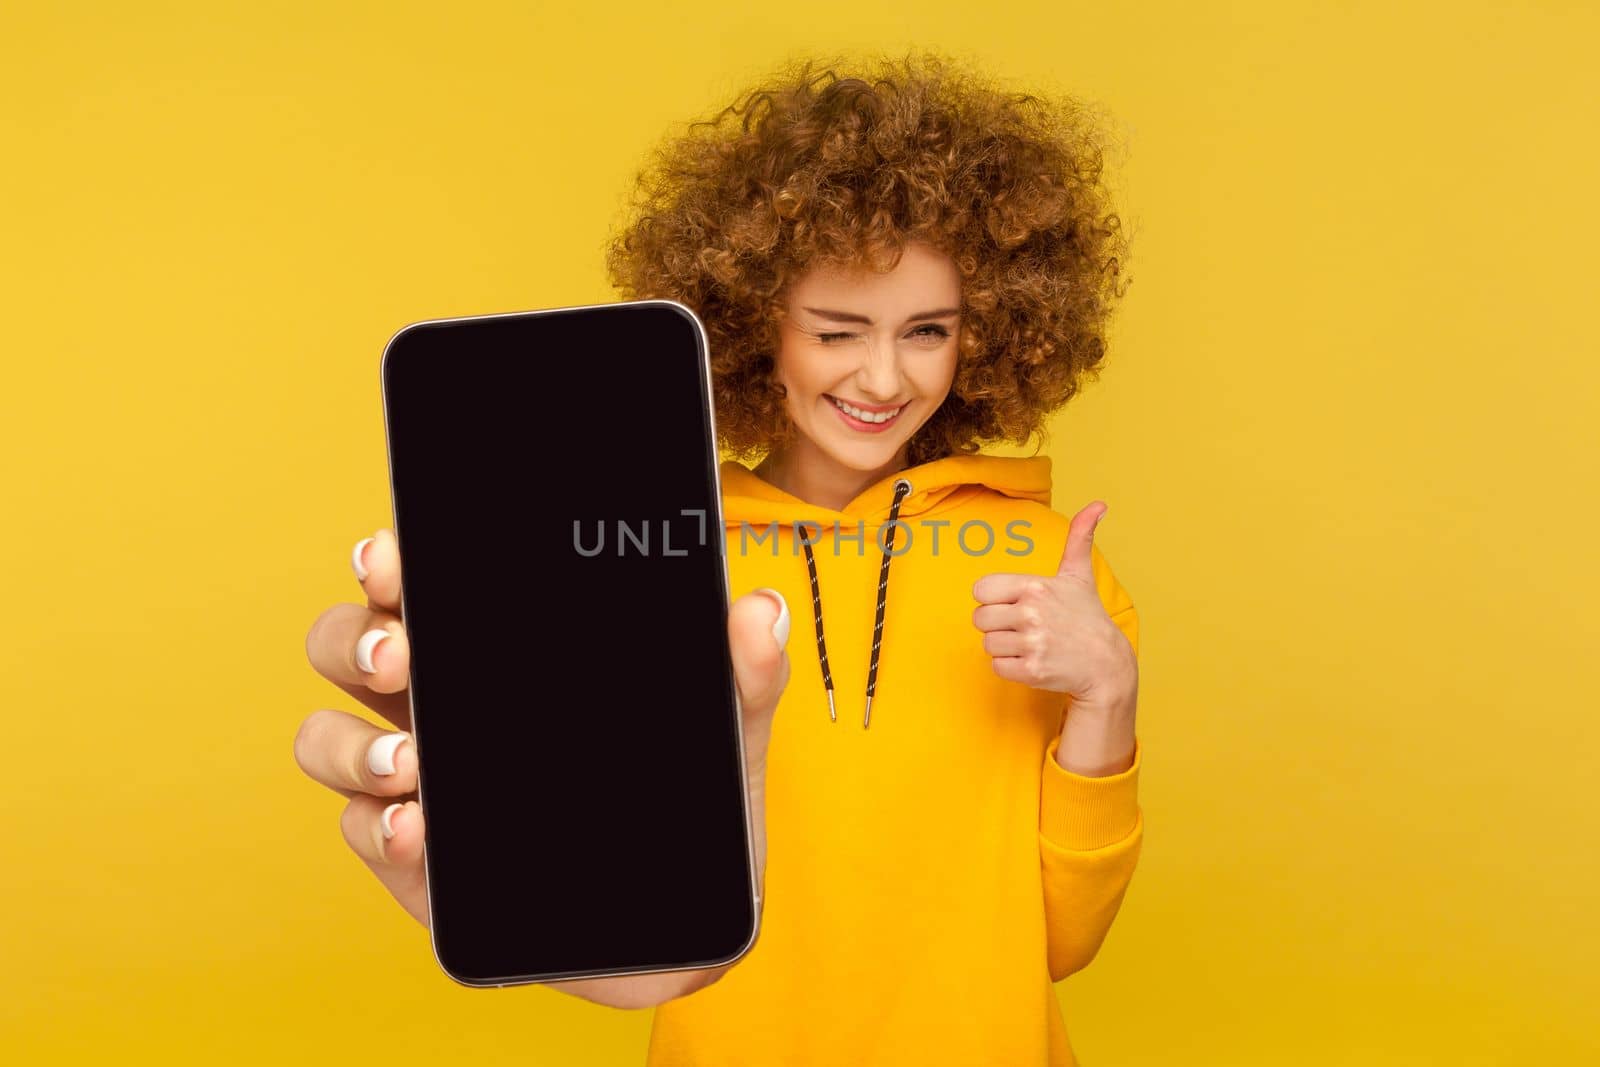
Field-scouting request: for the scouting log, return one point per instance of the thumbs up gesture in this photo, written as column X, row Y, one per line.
column 1051, row 631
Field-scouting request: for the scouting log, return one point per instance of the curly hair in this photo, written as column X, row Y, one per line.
column 816, row 168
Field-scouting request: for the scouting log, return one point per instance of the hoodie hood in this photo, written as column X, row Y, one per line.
column 925, row 489
column 935, row 486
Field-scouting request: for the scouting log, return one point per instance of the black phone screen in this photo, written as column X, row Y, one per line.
column 564, row 591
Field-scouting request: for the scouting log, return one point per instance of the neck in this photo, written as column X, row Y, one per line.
column 806, row 472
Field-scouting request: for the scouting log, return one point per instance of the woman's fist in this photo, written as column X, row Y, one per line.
column 1051, row 631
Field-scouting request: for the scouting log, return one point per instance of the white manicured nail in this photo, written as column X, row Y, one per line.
column 780, row 628
column 380, row 754
column 364, row 647
column 355, row 558
column 388, row 817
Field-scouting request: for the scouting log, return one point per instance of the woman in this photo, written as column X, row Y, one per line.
column 891, row 271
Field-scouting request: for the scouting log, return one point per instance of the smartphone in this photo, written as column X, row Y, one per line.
column 565, row 593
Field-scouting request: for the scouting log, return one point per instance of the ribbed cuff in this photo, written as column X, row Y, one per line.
column 1081, row 813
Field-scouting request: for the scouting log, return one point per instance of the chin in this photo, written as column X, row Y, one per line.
column 864, row 455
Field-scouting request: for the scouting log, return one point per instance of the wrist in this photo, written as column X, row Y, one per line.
column 1097, row 739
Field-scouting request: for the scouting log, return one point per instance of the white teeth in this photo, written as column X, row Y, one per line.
column 866, row 416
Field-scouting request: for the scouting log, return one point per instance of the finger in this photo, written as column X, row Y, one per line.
column 988, row 617
column 366, row 654
column 376, row 561
column 1014, row 669
column 1003, row 588
column 350, row 755
column 397, row 861
column 758, row 630
column 394, row 707
column 1006, row 643
column 1076, row 556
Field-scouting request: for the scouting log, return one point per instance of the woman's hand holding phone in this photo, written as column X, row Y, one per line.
column 376, row 769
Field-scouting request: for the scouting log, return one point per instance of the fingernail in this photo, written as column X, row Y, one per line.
column 380, row 754
column 780, row 628
column 388, row 818
column 364, row 647
column 355, row 558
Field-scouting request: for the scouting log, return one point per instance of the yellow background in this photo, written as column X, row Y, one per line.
column 1348, row 436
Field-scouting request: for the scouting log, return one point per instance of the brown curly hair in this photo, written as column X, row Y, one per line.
column 817, row 167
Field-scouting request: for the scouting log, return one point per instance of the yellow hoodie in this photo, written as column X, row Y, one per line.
column 931, row 870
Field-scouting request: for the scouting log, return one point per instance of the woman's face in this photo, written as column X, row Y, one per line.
column 867, row 358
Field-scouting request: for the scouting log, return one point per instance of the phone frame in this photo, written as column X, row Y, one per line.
column 718, row 530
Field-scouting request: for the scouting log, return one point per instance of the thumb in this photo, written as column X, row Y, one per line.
column 1077, row 558
column 758, row 630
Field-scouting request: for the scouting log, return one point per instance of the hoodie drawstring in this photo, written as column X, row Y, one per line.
column 902, row 486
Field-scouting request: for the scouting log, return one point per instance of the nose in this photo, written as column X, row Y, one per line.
column 878, row 377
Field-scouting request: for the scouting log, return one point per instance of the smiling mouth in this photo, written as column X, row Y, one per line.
column 874, row 419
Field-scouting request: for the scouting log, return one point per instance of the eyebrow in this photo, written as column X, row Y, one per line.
column 847, row 316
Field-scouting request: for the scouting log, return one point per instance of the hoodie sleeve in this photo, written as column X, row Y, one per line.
column 1090, row 830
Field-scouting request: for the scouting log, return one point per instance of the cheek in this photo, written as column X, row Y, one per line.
column 935, row 378
column 800, row 377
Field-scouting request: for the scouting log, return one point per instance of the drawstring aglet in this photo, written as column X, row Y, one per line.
column 867, row 720
column 833, row 716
